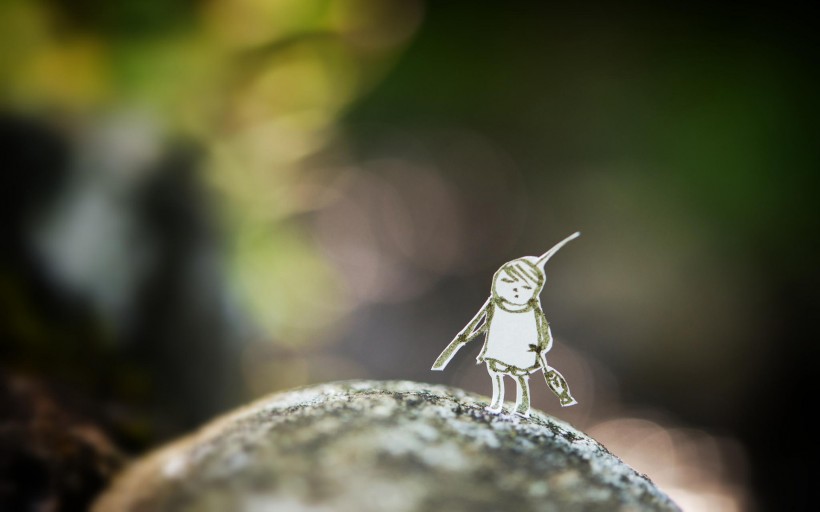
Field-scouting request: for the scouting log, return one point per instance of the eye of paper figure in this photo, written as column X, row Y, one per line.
column 517, row 334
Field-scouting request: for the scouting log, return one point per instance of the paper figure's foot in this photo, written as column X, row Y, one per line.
column 522, row 410
column 494, row 410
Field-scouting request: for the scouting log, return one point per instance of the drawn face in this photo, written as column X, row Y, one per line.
column 512, row 284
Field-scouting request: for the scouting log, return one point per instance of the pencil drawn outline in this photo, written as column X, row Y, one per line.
column 517, row 334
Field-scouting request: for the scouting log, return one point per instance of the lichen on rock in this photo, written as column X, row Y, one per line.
column 374, row 446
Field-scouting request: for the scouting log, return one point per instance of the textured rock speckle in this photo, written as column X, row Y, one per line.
column 367, row 446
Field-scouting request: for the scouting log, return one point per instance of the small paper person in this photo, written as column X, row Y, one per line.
column 517, row 333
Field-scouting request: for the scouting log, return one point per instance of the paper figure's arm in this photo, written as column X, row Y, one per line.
column 544, row 333
column 470, row 331
column 555, row 381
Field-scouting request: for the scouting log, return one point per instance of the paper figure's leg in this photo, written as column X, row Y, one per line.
column 522, row 395
column 498, row 390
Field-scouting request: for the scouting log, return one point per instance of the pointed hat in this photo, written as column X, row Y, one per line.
column 542, row 260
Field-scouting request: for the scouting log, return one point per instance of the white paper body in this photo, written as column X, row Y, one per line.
column 511, row 336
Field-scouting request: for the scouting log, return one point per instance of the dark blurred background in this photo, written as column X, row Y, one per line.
column 206, row 201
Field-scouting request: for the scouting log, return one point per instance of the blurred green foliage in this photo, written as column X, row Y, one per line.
column 257, row 83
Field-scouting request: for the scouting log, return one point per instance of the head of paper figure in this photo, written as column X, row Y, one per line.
column 521, row 280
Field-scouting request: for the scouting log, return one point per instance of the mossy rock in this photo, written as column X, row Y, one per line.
column 382, row 446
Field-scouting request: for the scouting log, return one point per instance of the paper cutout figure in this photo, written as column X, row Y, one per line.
column 517, row 333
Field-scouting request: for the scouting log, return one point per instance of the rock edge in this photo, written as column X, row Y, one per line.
column 371, row 445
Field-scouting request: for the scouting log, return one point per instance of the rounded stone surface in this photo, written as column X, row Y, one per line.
column 382, row 446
